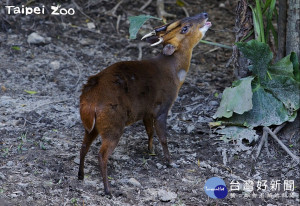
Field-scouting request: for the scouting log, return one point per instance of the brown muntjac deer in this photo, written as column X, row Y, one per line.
column 129, row 91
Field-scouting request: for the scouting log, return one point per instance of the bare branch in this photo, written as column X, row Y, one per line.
column 295, row 157
column 264, row 138
column 262, row 141
column 80, row 10
column 185, row 11
column 145, row 5
column 113, row 11
column 118, row 23
column 160, row 7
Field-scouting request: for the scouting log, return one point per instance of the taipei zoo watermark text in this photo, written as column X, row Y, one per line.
column 55, row 10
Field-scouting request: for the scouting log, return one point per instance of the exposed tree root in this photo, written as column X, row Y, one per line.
column 267, row 131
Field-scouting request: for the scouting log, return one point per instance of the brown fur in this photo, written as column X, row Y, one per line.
column 129, row 91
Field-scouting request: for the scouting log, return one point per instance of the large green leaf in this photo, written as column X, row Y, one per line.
column 283, row 84
column 136, row 22
column 267, row 110
column 295, row 61
column 237, row 99
column 260, row 55
column 284, row 67
column 286, row 89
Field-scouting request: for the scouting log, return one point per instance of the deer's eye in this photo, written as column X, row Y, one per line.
column 184, row 30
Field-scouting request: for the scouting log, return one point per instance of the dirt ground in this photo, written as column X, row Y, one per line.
column 41, row 133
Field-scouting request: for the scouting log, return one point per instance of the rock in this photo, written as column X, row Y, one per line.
column 91, row 182
column 166, row 196
column 134, row 182
column 214, row 170
column 91, row 25
column 174, row 165
column 13, row 195
column 23, row 185
column 213, row 103
column 222, row 5
column 2, row 176
column 35, row 38
column 190, row 128
column 54, row 65
column 6, row 101
column 159, row 166
column 29, row 199
column 10, row 163
column 77, row 161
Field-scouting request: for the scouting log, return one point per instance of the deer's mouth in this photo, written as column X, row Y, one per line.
column 208, row 23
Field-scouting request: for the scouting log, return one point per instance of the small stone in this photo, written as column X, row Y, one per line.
column 222, row 5
column 66, row 145
column 190, row 128
column 26, row 174
column 13, row 195
column 54, row 65
column 214, row 170
column 23, row 185
column 2, row 176
column 213, row 103
column 91, row 25
column 35, row 38
column 134, row 182
column 159, row 166
column 10, row 163
column 174, row 165
column 77, row 161
column 90, row 182
column 19, row 193
column 166, row 196
column 29, row 199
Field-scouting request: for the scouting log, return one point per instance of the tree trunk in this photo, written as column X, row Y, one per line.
column 243, row 26
column 293, row 28
column 282, row 14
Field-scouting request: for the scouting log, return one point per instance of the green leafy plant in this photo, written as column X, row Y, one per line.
column 273, row 97
column 30, row 92
column 262, row 28
column 270, row 96
column 17, row 48
column 74, row 201
column 5, row 151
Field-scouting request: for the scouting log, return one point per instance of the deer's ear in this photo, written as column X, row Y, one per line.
column 169, row 49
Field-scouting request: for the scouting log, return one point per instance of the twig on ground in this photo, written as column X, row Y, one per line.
column 78, row 65
column 145, row 5
column 212, row 50
column 29, row 2
column 33, row 123
column 173, row 116
column 53, row 102
column 185, row 3
column 140, row 48
column 160, row 7
column 112, row 12
column 262, row 141
column 224, row 156
column 264, row 138
column 295, row 157
column 185, row 11
column 118, row 24
column 80, row 10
